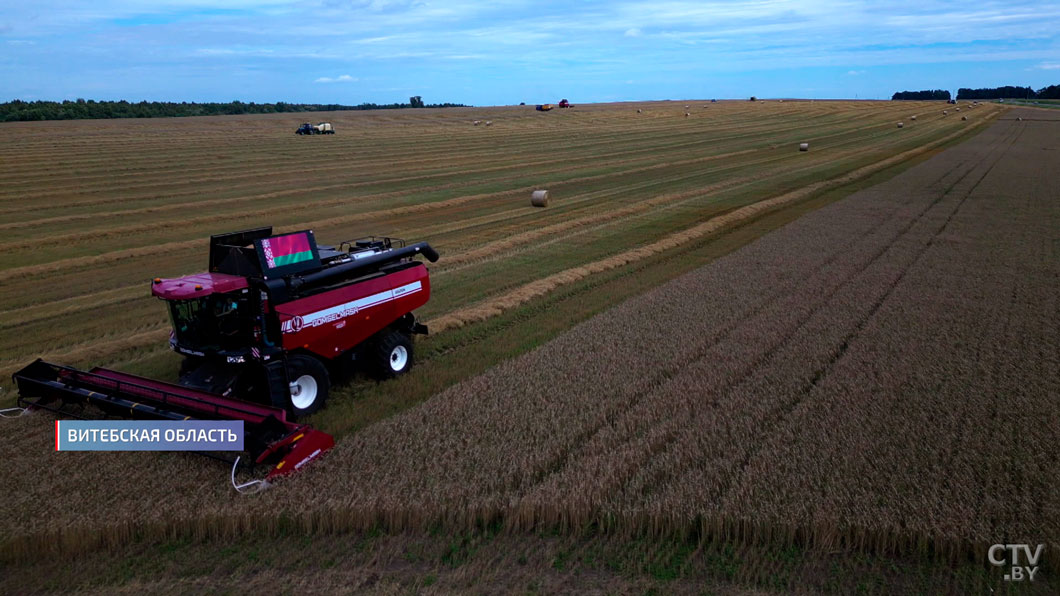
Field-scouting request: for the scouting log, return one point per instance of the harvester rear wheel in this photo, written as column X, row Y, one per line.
column 309, row 384
column 391, row 355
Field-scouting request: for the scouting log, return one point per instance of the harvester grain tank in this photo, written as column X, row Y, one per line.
column 259, row 331
column 545, row 107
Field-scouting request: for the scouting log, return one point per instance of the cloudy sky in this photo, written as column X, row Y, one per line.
column 507, row 51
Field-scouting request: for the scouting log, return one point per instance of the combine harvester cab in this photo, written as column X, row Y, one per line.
column 259, row 331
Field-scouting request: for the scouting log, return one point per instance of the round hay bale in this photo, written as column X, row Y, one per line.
column 804, row 146
column 489, row 123
column 900, row 125
column 477, row 122
column 944, row 112
column 687, row 114
column 539, row 198
column 639, row 110
column 964, row 117
column 1019, row 119
column 913, row 117
column 958, row 109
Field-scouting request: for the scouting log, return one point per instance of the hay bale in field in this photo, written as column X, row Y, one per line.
column 477, row 122
column 1019, row 119
column 804, row 146
column 944, row 112
column 687, row 114
column 900, row 125
column 913, row 117
column 964, row 117
column 639, row 110
column 489, row 123
column 539, row 198
column 958, row 109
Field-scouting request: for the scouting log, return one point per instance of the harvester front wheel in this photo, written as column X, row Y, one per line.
column 391, row 356
column 309, row 384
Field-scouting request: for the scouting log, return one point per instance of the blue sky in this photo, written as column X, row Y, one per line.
column 508, row 51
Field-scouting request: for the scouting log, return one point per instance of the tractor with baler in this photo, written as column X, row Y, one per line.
column 261, row 333
column 323, row 128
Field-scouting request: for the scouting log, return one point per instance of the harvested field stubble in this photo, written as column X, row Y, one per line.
column 123, row 203
column 879, row 375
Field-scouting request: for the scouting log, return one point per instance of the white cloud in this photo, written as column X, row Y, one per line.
column 633, row 32
column 1049, row 66
column 854, row 73
column 338, row 79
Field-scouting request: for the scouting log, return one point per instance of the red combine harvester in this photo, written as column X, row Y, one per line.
column 259, row 332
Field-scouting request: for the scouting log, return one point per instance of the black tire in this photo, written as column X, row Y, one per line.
column 390, row 355
column 309, row 385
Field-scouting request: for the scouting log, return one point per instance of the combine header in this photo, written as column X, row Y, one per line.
column 259, row 332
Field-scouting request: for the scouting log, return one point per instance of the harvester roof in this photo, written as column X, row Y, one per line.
column 197, row 285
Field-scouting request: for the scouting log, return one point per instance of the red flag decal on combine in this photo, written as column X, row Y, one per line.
column 285, row 250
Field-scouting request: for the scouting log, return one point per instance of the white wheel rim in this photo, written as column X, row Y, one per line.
column 303, row 392
column 399, row 357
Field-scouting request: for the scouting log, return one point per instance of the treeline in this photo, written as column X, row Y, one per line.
column 1010, row 92
column 922, row 95
column 81, row 109
column 1006, row 92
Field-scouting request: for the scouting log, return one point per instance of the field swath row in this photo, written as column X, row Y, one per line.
column 94, row 209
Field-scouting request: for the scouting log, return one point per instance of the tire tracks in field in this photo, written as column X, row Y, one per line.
column 233, row 201
column 717, row 223
column 787, row 338
column 444, row 204
column 637, row 152
column 840, row 350
column 474, row 256
column 529, row 153
column 640, row 152
column 95, row 350
column 529, row 150
column 147, row 227
column 659, row 438
column 492, row 251
column 17, row 317
column 531, row 290
column 528, row 511
column 499, row 304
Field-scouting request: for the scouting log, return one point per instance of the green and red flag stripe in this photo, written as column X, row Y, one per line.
column 285, row 250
